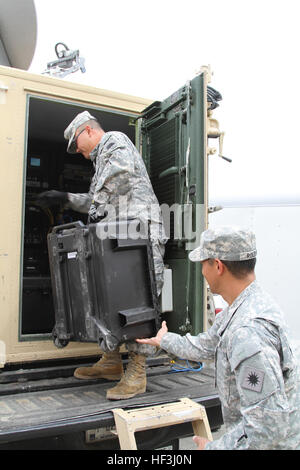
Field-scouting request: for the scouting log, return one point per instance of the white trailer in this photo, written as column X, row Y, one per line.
column 276, row 224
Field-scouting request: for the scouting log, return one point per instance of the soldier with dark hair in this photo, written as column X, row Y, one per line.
column 256, row 370
column 120, row 189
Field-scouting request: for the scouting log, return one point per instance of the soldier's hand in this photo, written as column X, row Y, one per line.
column 51, row 198
column 93, row 217
column 200, row 442
column 155, row 341
column 96, row 213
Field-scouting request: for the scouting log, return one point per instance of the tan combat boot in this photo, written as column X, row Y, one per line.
column 133, row 381
column 109, row 367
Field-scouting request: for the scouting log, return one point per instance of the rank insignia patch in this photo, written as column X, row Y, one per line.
column 253, row 379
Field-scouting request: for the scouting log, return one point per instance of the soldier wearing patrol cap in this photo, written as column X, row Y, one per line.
column 256, row 371
column 120, row 174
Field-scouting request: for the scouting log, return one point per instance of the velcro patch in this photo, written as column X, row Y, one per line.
column 253, row 379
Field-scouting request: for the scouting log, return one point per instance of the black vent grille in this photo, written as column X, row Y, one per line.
column 163, row 155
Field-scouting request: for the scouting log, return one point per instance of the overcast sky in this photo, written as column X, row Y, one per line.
column 150, row 49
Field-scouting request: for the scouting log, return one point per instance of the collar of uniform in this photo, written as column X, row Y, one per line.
column 96, row 150
column 94, row 153
column 235, row 305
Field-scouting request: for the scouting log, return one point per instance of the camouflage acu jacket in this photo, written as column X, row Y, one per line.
column 120, row 187
column 256, row 372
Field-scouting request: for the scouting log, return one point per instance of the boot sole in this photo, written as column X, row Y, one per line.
column 123, row 396
column 93, row 377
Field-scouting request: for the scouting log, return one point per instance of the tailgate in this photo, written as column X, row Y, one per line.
column 50, row 401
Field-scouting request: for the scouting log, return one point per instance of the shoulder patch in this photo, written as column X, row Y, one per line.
column 253, row 379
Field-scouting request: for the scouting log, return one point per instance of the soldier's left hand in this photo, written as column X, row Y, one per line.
column 200, row 442
column 96, row 213
column 93, row 216
column 155, row 341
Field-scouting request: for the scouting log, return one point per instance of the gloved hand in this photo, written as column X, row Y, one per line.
column 51, row 198
column 95, row 215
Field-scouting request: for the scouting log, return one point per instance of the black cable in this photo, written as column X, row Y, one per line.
column 213, row 96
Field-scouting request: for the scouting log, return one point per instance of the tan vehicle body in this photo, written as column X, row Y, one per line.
column 15, row 88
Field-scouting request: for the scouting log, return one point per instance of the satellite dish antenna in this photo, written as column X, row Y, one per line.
column 18, row 33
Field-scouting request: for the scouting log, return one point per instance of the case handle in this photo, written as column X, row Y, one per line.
column 76, row 224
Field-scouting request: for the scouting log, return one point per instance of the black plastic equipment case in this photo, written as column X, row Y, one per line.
column 103, row 288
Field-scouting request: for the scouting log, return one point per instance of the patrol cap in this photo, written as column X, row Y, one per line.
column 69, row 133
column 227, row 243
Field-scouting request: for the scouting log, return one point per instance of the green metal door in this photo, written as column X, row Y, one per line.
column 174, row 144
